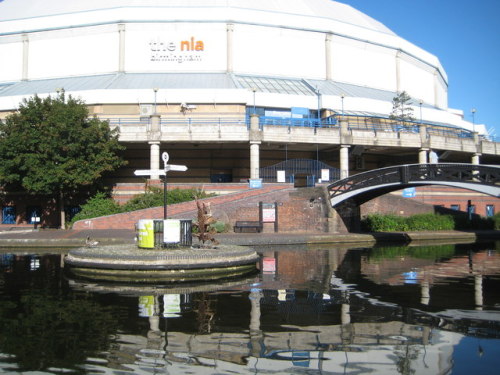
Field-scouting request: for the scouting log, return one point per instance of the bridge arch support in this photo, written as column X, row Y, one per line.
column 348, row 194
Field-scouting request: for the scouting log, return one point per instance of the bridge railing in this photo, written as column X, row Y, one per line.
column 418, row 174
column 354, row 122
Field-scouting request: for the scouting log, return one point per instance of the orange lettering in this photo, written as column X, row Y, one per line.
column 192, row 45
column 185, row 43
column 199, row 46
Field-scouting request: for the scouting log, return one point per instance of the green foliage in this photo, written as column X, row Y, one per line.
column 153, row 197
column 496, row 221
column 393, row 223
column 219, row 227
column 401, row 109
column 40, row 329
column 383, row 223
column 462, row 222
column 99, row 205
column 102, row 204
column 420, row 252
column 430, row 222
column 51, row 145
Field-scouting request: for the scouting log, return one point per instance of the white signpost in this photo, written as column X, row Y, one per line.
column 162, row 172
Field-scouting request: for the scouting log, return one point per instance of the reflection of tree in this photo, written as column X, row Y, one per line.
column 405, row 355
column 46, row 331
column 420, row 252
column 204, row 312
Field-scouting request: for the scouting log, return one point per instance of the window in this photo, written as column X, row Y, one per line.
column 71, row 211
column 490, row 210
column 33, row 214
column 9, row 215
column 455, row 207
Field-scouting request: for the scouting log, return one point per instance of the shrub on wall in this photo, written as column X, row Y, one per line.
column 461, row 221
column 102, row 205
column 393, row 223
column 99, row 205
column 153, row 197
column 430, row 222
column 496, row 221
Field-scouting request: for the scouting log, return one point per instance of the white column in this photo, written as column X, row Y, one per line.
column 478, row 291
column 436, row 89
column 26, row 51
column 254, row 160
column 155, row 121
column 475, row 159
column 328, row 55
column 344, row 161
column 255, row 140
column 154, row 158
column 422, row 156
column 121, row 51
column 398, row 71
column 425, row 293
column 255, row 331
column 230, row 33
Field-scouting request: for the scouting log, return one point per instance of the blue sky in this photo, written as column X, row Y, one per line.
column 464, row 35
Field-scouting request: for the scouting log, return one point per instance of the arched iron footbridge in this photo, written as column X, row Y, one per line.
column 365, row 186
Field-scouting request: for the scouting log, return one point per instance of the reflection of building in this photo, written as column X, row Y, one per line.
column 383, row 347
column 186, row 76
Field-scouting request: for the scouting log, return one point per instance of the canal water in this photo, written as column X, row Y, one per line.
column 308, row 310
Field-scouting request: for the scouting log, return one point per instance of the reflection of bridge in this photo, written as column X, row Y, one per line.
column 363, row 187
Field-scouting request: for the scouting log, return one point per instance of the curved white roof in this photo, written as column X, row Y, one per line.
column 18, row 10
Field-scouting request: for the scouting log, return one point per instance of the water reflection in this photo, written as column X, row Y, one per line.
column 317, row 311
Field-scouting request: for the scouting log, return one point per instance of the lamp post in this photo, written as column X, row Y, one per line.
column 155, row 91
column 254, row 90
column 420, row 102
column 473, row 111
column 342, row 96
column 318, row 93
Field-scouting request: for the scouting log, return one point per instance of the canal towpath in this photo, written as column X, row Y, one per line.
column 31, row 238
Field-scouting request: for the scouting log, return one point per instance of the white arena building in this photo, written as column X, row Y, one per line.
column 232, row 88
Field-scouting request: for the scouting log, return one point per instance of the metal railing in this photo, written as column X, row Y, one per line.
column 354, row 122
column 295, row 167
column 417, row 173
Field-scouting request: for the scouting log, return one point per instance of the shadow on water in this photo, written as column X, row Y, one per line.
column 391, row 310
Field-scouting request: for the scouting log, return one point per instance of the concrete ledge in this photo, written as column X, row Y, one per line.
column 127, row 263
column 71, row 239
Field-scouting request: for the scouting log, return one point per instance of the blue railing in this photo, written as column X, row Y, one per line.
column 371, row 123
column 300, row 122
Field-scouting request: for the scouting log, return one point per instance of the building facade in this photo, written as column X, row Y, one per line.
column 231, row 87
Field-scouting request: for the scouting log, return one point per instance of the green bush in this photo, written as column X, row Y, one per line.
column 219, row 226
column 153, row 197
column 496, row 221
column 384, row 223
column 393, row 223
column 430, row 222
column 102, row 205
column 99, row 205
column 460, row 221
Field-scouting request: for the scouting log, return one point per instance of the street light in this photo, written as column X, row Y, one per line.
column 473, row 111
column 318, row 93
column 420, row 102
column 342, row 96
column 155, row 91
column 254, row 90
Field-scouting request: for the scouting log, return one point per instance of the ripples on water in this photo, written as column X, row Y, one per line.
column 390, row 310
